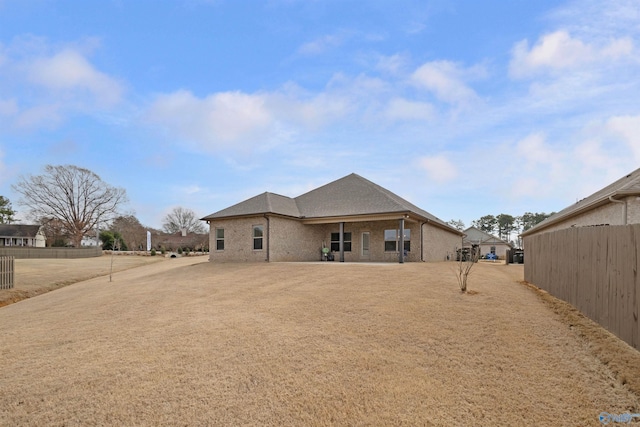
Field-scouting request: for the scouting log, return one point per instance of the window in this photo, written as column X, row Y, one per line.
column 335, row 242
column 258, row 234
column 219, row 239
column 391, row 238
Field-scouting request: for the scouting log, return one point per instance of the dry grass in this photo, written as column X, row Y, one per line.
column 190, row 343
column 37, row 276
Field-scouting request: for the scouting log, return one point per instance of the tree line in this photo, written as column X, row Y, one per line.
column 504, row 225
column 71, row 203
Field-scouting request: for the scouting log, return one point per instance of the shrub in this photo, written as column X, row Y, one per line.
column 153, row 252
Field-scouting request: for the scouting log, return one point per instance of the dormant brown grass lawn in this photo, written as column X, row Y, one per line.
column 187, row 342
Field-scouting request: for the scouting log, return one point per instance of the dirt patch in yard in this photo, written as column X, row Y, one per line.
column 197, row 343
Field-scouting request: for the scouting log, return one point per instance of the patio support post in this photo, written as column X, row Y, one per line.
column 401, row 241
column 342, row 242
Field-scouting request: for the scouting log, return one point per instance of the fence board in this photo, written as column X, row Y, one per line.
column 7, row 272
column 593, row 268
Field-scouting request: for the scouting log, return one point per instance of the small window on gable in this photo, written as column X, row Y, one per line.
column 258, row 235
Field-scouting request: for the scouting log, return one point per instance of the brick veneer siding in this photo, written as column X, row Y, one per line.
column 292, row 240
column 439, row 244
column 238, row 240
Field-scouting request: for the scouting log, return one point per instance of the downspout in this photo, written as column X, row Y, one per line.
column 268, row 236
column 624, row 208
column 422, row 241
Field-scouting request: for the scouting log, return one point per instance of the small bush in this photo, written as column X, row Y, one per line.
column 153, row 252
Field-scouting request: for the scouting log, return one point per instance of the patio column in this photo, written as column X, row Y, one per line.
column 401, row 241
column 341, row 242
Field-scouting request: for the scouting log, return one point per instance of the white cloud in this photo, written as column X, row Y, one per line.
column 445, row 80
column 8, row 107
column 393, row 64
column 403, row 109
column 217, row 121
column 438, row 168
column 560, row 51
column 68, row 70
column 48, row 85
column 628, row 128
column 321, row 44
column 534, row 150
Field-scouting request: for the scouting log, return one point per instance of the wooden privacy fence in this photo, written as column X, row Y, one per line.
column 595, row 269
column 20, row 252
column 7, row 272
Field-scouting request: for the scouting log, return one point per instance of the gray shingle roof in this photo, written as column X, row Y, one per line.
column 475, row 235
column 18, row 230
column 347, row 196
column 261, row 204
column 627, row 185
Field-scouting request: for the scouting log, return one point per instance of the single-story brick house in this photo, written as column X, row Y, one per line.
column 350, row 219
column 22, row 235
column 615, row 204
column 488, row 243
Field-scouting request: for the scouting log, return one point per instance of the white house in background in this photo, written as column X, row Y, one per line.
column 22, row 235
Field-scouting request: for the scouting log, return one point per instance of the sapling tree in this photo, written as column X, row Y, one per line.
column 466, row 261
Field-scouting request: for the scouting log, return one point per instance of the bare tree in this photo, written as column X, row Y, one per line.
column 77, row 197
column 466, row 260
column 133, row 233
column 182, row 219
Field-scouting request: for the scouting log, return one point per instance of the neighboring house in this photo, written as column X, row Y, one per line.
column 90, row 239
column 488, row 243
column 351, row 219
column 615, row 204
column 180, row 240
column 22, row 235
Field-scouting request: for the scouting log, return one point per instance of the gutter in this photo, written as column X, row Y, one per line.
column 422, row 241
column 624, row 208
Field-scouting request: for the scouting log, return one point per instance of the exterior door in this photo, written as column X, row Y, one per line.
column 366, row 239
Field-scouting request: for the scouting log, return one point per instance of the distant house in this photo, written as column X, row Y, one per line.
column 22, row 235
column 350, row 219
column 180, row 240
column 488, row 243
column 615, row 204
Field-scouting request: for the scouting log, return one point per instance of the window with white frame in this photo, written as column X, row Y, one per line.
column 258, row 235
column 335, row 242
column 392, row 237
column 219, row 239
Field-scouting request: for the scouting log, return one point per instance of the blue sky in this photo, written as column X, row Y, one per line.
column 465, row 108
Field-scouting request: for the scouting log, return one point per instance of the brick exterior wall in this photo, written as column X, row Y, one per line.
column 291, row 240
column 439, row 244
